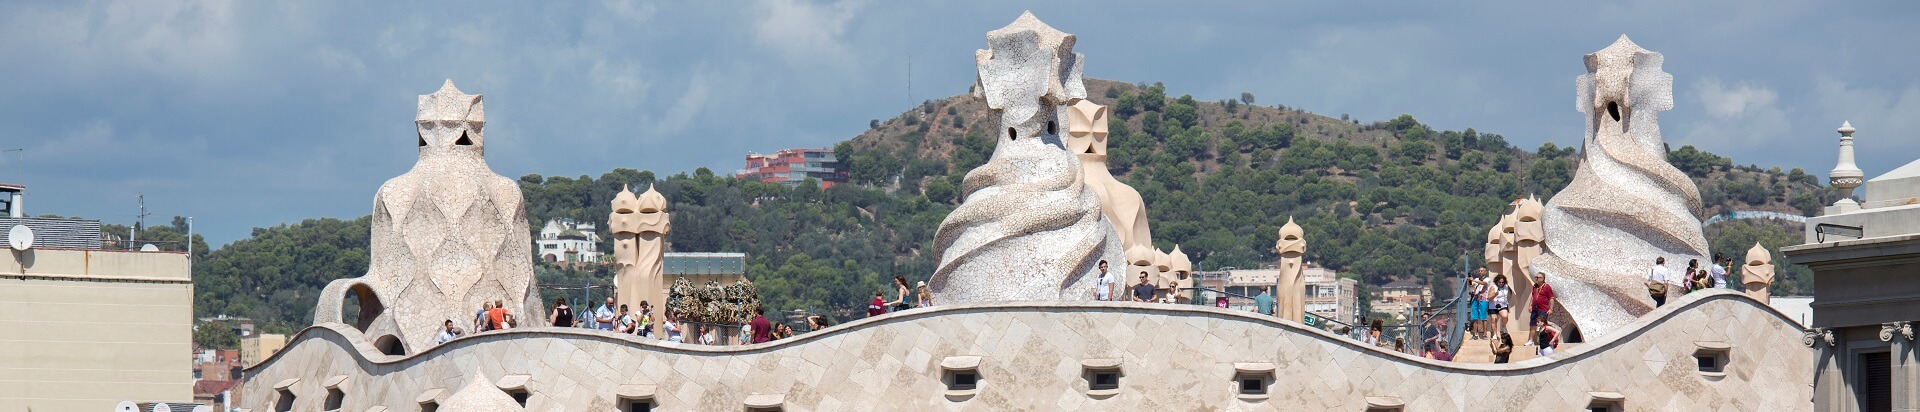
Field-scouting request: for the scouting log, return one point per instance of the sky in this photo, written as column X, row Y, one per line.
column 251, row 114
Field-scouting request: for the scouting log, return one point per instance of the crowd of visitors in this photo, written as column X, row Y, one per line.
column 1662, row 283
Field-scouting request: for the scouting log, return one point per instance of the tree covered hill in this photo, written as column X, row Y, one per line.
column 1380, row 201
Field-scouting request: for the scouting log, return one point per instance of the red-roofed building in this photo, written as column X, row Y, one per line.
column 791, row 166
column 220, row 395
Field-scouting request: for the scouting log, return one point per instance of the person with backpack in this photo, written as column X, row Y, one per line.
column 498, row 318
column 562, row 314
column 1657, row 281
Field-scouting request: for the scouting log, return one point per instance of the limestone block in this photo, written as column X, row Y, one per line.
column 1029, row 227
column 1625, row 205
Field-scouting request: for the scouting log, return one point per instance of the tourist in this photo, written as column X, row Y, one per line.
column 1701, row 281
column 1477, row 306
column 624, row 322
column 899, row 302
column 710, row 336
column 1173, row 292
column 1542, row 299
column 447, row 333
column 480, row 318
column 1373, row 335
column 1718, row 270
column 1502, row 347
column 1442, row 354
column 923, row 295
column 1432, row 331
column 818, row 322
column 763, row 329
column 1264, row 303
column 562, row 316
column 1497, row 306
column 782, row 331
column 1549, row 337
column 605, row 315
column 1687, row 281
column 1103, row 285
column 671, row 328
column 1143, row 292
column 1657, row 281
column 878, row 306
column 645, row 320
column 1399, row 345
column 498, row 318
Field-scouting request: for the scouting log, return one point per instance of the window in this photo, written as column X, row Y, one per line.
column 1711, row 358
column 1252, row 379
column 1105, row 380
column 429, row 407
column 639, row 406
column 1877, row 373
column 964, row 380
column 285, row 401
column 520, row 396
column 1253, row 385
column 1606, row 402
column 334, row 398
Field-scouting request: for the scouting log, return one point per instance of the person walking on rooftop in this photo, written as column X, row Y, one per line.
column 480, row 318
column 1103, row 285
column 449, row 332
column 923, row 295
column 1542, row 300
column 900, row 288
column 762, row 328
column 1657, row 281
column 878, row 306
column 498, row 318
column 1498, row 309
column 605, row 315
column 562, row 316
column 1264, row 302
column 1477, row 305
column 1718, row 270
column 1143, row 292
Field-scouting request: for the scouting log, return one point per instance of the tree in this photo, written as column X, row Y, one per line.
column 1246, row 97
column 873, row 124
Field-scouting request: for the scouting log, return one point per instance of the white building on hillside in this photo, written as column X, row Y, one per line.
column 564, row 240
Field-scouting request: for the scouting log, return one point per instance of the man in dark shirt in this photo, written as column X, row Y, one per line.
column 1143, row 292
column 762, row 328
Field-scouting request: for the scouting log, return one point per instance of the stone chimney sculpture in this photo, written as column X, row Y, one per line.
column 1290, row 300
column 1182, row 274
column 1496, row 244
column 447, row 235
column 1028, row 228
column 1529, row 237
column 1625, row 205
column 1757, row 274
column 1845, row 175
column 640, row 225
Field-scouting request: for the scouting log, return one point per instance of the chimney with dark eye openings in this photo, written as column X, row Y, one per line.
column 423, row 139
column 1613, row 109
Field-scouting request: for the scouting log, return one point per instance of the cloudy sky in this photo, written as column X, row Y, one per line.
column 247, row 114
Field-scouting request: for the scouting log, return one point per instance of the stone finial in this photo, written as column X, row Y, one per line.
column 449, row 104
column 1846, row 175
column 1181, row 264
column 1087, row 128
column 1756, row 275
column 1016, row 56
column 652, row 201
column 1292, row 239
column 1526, row 222
column 1162, row 261
column 1140, row 255
column 624, row 202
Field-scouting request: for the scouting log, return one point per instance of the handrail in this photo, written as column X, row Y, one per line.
column 1315, row 315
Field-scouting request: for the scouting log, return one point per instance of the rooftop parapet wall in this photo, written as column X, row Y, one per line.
column 1032, row 356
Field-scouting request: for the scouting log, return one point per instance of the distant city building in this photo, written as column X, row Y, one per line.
column 142, row 355
column 256, row 348
column 1327, row 295
column 1331, row 296
column 791, row 166
column 567, row 241
column 1401, row 296
column 699, row 267
column 216, row 374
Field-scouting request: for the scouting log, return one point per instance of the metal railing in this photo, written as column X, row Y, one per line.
column 1311, row 319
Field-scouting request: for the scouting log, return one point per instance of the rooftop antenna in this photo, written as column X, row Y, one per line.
column 909, row 79
column 140, row 220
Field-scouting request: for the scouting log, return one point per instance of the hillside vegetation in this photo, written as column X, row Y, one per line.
column 1380, row 201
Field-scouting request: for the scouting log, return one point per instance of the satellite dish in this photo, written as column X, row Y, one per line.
column 149, row 248
column 20, row 238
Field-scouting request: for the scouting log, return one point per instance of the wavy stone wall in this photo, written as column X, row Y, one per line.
column 1031, row 357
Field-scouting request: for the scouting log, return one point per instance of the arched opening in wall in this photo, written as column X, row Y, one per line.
column 1613, row 110
column 361, row 307
column 1013, row 134
column 550, row 258
column 391, row 345
column 464, row 141
column 1053, row 128
column 284, row 401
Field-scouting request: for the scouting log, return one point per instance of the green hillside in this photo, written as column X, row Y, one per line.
column 1380, row 201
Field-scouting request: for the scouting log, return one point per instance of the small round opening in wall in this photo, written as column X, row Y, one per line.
column 1012, row 134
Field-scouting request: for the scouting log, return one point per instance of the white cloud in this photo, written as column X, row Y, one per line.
column 804, row 31
column 1730, row 102
column 631, row 11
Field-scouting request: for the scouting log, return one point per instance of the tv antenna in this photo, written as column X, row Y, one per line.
column 139, row 220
